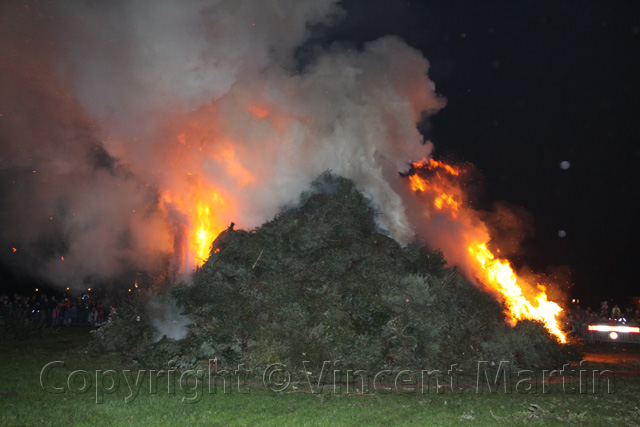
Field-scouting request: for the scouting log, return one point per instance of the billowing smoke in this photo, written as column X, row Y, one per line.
column 70, row 211
column 167, row 318
column 121, row 119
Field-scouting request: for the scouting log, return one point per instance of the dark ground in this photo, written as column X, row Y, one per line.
column 623, row 359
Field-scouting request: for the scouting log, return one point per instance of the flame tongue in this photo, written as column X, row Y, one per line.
column 438, row 183
column 443, row 189
column 499, row 276
column 201, row 209
column 204, row 232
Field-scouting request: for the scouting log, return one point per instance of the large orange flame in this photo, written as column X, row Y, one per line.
column 437, row 182
column 204, row 232
column 195, row 205
column 499, row 275
column 203, row 226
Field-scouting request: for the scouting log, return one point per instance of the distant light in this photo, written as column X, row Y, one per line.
column 89, row 289
column 565, row 165
column 67, row 288
column 36, row 289
column 613, row 335
column 615, row 328
column 562, row 233
column 14, row 250
column 129, row 289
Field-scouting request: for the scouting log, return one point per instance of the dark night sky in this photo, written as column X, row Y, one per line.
column 531, row 84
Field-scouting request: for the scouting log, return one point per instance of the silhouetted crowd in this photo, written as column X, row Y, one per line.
column 577, row 319
column 54, row 311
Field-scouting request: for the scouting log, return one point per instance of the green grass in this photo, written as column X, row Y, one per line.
column 23, row 401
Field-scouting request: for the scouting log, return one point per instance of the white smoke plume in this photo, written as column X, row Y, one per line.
column 128, row 111
column 167, row 318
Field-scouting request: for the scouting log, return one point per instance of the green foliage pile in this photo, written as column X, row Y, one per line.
column 321, row 282
column 128, row 329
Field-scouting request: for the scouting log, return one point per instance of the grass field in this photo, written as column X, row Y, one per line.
column 24, row 401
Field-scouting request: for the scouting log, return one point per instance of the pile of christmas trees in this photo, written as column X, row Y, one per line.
column 321, row 282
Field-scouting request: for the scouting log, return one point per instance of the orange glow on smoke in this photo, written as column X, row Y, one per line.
column 259, row 111
column 235, row 169
column 437, row 183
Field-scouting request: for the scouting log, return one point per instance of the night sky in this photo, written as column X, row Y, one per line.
column 530, row 85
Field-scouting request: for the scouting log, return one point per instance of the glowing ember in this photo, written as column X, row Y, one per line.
column 437, row 182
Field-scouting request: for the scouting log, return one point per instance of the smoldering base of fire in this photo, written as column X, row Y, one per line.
column 193, row 384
